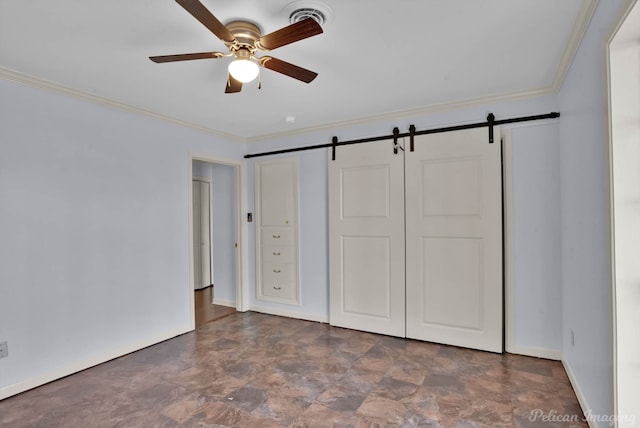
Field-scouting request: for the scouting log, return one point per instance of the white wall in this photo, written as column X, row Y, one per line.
column 224, row 234
column 93, row 248
column 536, row 214
column 584, row 181
column 536, row 237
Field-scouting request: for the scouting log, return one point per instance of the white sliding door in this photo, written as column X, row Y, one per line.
column 366, row 215
column 454, row 240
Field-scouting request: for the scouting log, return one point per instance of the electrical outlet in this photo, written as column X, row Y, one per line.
column 573, row 339
column 4, row 349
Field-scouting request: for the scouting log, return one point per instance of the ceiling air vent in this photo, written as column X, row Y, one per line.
column 304, row 9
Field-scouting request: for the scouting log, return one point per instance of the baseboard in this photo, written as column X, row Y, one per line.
column 36, row 381
column 576, row 388
column 223, row 302
column 531, row 351
column 289, row 314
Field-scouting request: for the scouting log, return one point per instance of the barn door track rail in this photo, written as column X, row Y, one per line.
column 489, row 123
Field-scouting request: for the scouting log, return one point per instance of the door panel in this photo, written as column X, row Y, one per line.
column 454, row 240
column 275, row 197
column 202, row 269
column 366, row 215
column 197, row 247
column 205, row 233
column 453, row 267
column 368, row 285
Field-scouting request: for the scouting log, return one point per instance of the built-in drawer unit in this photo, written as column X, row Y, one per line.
column 277, row 273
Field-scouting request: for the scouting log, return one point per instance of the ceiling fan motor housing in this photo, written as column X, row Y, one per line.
column 246, row 33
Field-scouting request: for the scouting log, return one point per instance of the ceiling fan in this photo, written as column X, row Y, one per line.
column 243, row 39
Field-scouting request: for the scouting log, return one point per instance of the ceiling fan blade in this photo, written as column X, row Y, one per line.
column 292, row 33
column 233, row 85
column 186, row 57
column 202, row 14
column 288, row 69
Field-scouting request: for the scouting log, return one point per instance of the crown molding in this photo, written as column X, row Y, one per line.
column 579, row 29
column 436, row 108
column 35, row 82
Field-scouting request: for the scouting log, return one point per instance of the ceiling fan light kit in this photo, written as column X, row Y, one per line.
column 244, row 70
column 244, row 39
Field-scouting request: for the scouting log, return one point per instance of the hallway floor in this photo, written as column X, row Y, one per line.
column 207, row 311
column 256, row 370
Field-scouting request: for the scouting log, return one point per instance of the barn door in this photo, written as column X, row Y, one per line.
column 366, row 243
column 454, row 240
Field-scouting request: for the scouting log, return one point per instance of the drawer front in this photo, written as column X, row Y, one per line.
column 277, row 254
column 282, row 271
column 276, row 236
column 278, row 288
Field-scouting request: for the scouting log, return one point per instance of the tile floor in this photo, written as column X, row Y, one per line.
column 256, row 370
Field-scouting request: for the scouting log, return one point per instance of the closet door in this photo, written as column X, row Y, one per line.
column 366, row 239
column 454, row 240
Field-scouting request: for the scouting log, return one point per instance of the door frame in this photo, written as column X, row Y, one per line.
column 241, row 231
column 208, row 180
column 626, row 9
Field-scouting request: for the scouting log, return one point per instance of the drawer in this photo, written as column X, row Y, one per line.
column 283, row 271
column 277, row 253
column 278, row 288
column 276, row 236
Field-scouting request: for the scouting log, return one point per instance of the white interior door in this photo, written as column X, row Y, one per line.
column 201, row 194
column 197, row 257
column 454, row 240
column 366, row 215
column 205, row 233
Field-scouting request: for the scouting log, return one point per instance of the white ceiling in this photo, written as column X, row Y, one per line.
column 376, row 57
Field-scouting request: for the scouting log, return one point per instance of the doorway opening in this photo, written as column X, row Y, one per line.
column 623, row 57
column 215, row 235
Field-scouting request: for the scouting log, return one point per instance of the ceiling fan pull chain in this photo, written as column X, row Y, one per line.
column 259, row 80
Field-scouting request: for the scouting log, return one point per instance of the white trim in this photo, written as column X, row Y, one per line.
column 84, row 364
column 620, row 19
column 192, row 278
column 36, row 82
column 224, row 302
column 507, row 176
column 579, row 30
column 242, row 252
column 289, row 314
column 576, row 388
column 531, row 351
